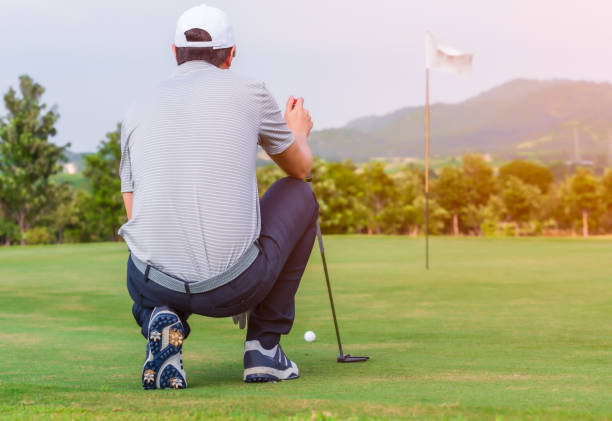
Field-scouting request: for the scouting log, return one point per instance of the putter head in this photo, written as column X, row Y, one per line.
column 348, row 358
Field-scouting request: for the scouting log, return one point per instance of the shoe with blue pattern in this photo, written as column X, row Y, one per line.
column 163, row 367
column 267, row 365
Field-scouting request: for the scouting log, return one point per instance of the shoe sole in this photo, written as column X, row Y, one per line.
column 268, row 374
column 158, row 372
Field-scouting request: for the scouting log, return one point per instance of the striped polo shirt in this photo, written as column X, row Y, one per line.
column 188, row 153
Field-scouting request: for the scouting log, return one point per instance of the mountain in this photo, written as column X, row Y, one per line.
column 521, row 118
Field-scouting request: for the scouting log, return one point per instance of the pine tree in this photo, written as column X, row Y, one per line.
column 27, row 158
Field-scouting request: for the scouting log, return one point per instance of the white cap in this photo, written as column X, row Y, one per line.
column 210, row 19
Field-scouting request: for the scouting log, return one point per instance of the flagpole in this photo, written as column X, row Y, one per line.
column 427, row 168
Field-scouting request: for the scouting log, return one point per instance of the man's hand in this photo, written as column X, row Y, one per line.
column 296, row 160
column 297, row 118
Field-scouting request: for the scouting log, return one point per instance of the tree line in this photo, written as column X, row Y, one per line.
column 470, row 198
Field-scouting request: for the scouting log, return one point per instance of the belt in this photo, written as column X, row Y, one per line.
column 205, row 285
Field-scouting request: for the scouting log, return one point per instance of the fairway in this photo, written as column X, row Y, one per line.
column 517, row 328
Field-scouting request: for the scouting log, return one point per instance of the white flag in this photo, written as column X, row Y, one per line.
column 445, row 58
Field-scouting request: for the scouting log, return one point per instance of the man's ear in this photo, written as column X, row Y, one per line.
column 174, row 51
column 228, row 61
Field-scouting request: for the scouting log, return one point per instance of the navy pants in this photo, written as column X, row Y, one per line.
column 289, row 212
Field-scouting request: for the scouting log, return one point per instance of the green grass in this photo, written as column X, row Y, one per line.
column 498, row 328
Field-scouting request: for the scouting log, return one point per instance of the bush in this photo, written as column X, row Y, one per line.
column 38, row 235
column 9, row 232
column 489, row 227
column 508, row 229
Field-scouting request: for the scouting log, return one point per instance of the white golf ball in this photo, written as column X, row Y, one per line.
column 309, row 336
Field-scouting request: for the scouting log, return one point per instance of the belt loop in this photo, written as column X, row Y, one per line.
column 146, row 273
column 187, row 290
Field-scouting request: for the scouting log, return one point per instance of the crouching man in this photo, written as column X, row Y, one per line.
column 200, row 239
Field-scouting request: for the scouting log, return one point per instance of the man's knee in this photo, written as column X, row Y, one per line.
column 289, row 183
column 304, row 189
column 298, row 192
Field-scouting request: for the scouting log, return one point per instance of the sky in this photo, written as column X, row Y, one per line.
column 347, row 58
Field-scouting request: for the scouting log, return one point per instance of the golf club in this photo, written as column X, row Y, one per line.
column 342, row 357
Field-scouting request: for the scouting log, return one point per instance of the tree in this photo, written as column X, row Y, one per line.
column 54, row 219
column 339, row 192
column 520, row 200
column 8, row 231
column 437, row 215
column 555, row 209
column 77, row 228
column 409, row 184
column 27, row 158
column 105, row 212
column 484, row 219
column 584, row 196
column 606, row 182
column 479, row 178
column 529, row 172
column 559, row 170
column 379, row 191
column 65, row 215
column 451, row 192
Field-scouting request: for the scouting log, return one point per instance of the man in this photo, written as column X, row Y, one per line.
column 200, row 239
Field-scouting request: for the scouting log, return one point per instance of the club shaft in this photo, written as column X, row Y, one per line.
column 329, row 291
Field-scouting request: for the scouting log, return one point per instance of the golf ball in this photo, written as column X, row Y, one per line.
column 310, row 336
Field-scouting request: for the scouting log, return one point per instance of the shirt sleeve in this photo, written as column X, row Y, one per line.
column 125, row 166
column 274, row 135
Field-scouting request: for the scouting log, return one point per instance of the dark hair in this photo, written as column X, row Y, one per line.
column 214, row 57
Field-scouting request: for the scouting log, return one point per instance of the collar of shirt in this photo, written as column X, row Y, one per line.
column 191, row 67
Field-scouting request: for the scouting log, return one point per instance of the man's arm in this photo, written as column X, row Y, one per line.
column 125, row 169
column 127, row 201
column 296, row 160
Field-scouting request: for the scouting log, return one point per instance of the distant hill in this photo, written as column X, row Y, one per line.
column 521, row 118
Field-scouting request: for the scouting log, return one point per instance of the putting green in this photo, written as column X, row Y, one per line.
column 509, row 328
